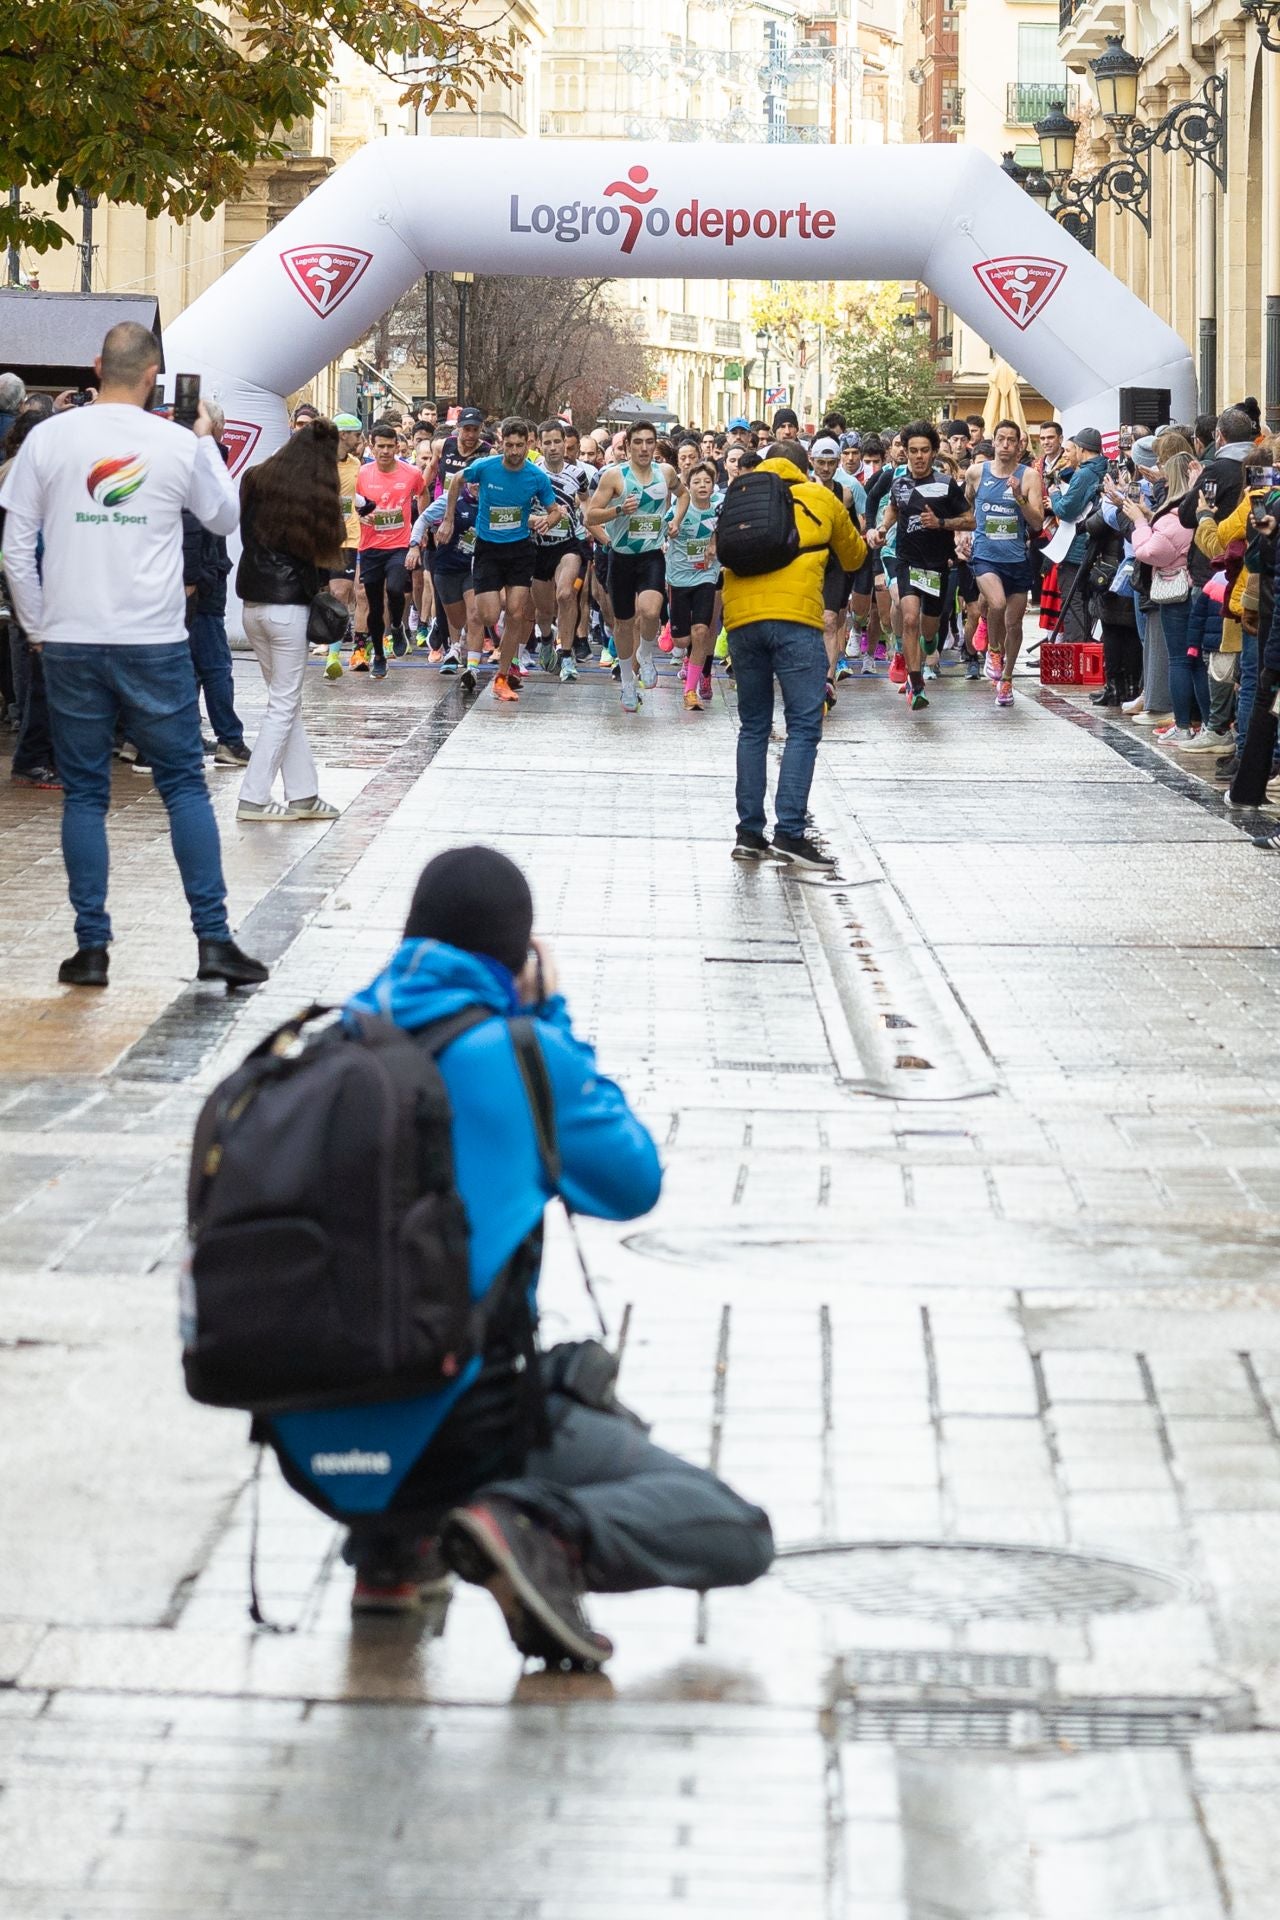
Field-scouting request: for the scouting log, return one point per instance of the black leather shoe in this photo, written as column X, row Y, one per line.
column 87, row 968
column 1108, row 696
column 223, row 960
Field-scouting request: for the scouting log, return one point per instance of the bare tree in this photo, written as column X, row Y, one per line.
column 533, row 348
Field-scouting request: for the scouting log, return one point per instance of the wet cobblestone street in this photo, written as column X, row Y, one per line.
column 967, row 1267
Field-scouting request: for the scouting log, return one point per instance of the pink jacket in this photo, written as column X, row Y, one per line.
column 1164, row 542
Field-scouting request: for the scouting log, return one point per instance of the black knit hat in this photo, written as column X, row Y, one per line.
column 476, row 899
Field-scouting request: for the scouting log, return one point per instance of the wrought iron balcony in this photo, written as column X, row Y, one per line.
column 1030, row 100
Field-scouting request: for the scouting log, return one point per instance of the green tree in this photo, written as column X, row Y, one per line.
column 885, row 372
column 166, row 104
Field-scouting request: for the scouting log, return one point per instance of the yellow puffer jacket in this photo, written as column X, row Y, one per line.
column 1213, row 537
column 795, row 592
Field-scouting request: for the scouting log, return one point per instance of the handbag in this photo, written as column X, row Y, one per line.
column 1170, row 587
column 327, row 620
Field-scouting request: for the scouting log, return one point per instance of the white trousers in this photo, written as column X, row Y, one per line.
column 278, row 636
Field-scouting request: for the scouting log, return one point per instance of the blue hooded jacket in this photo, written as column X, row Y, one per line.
column 609, row 1170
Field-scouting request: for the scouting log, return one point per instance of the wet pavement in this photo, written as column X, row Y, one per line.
column 967, row 1266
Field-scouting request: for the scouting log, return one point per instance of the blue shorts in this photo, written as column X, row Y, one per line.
column 1014, row 576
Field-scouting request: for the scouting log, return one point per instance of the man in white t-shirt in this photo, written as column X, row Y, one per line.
column 104, row 487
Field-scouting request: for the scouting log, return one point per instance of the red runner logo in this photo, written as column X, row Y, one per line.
column 1021, row 285
column 324, row 276
column 239, row 437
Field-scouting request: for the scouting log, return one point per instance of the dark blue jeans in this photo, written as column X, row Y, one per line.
column 211, row 657
column 153, row 691
column 34, row 745
column 796, row 656
column 1188, row 679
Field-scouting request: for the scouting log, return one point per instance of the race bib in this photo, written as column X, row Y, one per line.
column 697, row 549
column 505, row 517
column 1001, row 526
column 559, row 532
column 645, row 525
column 348, row 501
column 922, row 580
column 388, row 517
column 468, row 540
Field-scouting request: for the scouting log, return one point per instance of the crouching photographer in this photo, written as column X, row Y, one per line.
column 383, row 1330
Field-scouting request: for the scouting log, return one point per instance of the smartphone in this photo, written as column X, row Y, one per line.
column 186, row 403
column 82, row 397
column 1209, row 488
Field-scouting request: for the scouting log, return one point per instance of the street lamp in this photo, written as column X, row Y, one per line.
column 1265, row 15
column 462, row 281
column 1115, row 81
column 762, row 348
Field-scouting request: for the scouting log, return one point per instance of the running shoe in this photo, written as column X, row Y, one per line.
column 868, row 671
column 631, row 698
column 467, row 679
column 450, row 662
column 665, row 642
column 828, row 698
column 691, row 700
column 973, row 669
column 504, row 688
column 568, row 670
column 1207, row 741
column 882, row 652
column 359, row 660
column 45, row 778
column 231, row 753
column 1004, row 696
column 844, row 668
column 648, row 669
column 333, row 666
column 515, row 674
column 919, row 699
column 530, row 651
column 548, row 658
column 404, row 1585
column 930, row 673
column 399, row 642
column 534, row 1576
column 379, row 669
column 581, row 651
column 994, row 666
column 898, row 670
column 706, row 688
column 422, row 641
column 1183, row 738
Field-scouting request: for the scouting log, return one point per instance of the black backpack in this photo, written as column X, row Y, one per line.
column 312, row 1287
column 757, row 531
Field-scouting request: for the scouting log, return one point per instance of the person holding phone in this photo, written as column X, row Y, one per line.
column 104, row 487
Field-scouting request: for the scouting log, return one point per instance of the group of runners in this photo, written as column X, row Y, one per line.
column 519, row 548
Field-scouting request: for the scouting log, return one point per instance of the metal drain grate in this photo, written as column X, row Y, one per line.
column 1079, row 1725
column 934, row 1580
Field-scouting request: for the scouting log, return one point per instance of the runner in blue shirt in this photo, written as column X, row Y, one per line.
column 510, row 487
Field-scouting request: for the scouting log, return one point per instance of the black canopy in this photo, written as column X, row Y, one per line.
column 51, row 339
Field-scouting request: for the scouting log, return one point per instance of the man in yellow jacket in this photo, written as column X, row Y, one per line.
column 774, row 622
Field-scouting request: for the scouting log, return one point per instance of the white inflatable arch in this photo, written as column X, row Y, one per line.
column 944, row 215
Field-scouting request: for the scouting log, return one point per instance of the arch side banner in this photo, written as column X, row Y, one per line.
column 946, row 215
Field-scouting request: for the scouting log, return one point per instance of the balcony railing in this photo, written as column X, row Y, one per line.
column 1067, row 11
column 1030, row 100
column 685, row 328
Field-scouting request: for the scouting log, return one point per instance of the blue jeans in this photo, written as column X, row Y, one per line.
column 211, row 657
column 153, row 691
column 796, row 656
column 1188, row 679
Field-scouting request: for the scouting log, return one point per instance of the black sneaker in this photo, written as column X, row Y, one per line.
column 230, row 753
column 467, row 679
column 1226, row 766
column 86, row 968
column 802, row 852
column 399, row 645
column 379, row 669
column 405, row 1583
column 581, row 650
column 750, row 846
column 531, row 1574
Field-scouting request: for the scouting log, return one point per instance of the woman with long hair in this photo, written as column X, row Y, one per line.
column 293, row 530
column 1161, row 542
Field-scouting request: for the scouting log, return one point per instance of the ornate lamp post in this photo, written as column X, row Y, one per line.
column 1265, row 15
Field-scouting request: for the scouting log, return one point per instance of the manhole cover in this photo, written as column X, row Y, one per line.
column 970, row 1581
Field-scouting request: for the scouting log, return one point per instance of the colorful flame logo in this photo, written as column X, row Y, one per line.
column 111, row 481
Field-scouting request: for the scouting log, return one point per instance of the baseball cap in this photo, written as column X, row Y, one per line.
column 471, row 417
column 825, row 449
column 1088, row 439
column 347, row 423
column 737, row 423
column 851, row 439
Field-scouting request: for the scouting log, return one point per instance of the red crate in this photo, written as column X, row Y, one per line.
column 1058, row 663
column 1090, row 671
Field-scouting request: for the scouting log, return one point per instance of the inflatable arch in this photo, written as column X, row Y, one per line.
column 944, row 215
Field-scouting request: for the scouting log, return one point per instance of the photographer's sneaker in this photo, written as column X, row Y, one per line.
column 405, row 1586
column 532, row 1575
column 751, row 847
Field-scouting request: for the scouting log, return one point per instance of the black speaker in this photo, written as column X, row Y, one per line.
column 1147, row 407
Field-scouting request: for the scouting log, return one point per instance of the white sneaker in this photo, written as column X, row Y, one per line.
column 568, row 671
column 648, row 667
column 1179, row 737
column 1207, row 741
column 1132, row 707
column 1146, row 719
